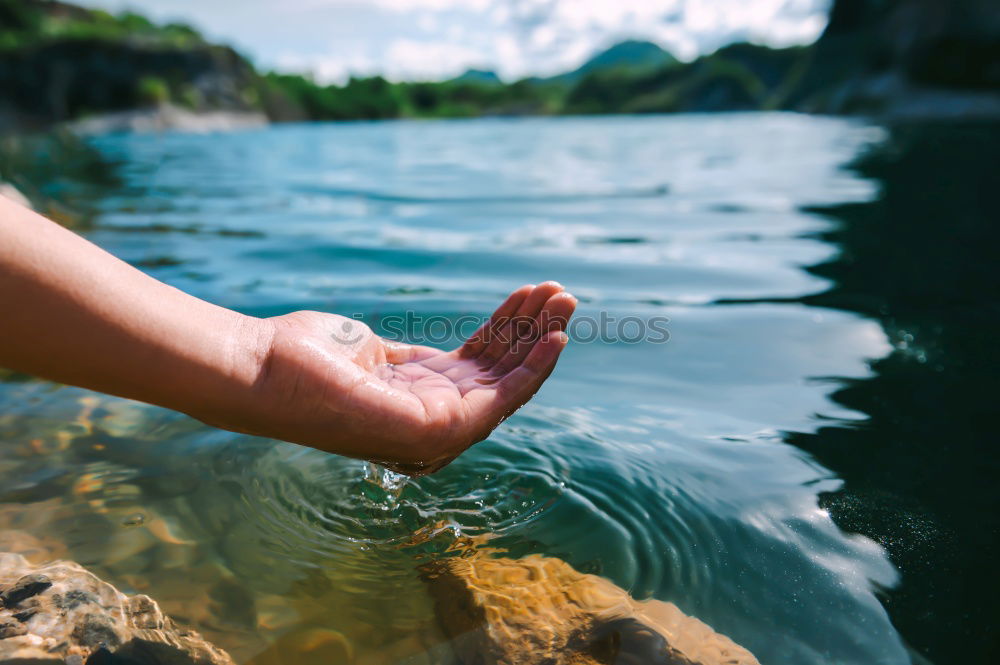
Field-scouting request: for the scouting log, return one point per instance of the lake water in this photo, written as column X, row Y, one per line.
column 797, row 465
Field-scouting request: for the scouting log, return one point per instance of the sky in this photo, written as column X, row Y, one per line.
column 437, row 39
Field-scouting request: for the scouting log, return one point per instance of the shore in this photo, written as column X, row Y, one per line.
column 168, row 117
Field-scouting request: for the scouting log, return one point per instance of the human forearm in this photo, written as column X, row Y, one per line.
column 74, row 313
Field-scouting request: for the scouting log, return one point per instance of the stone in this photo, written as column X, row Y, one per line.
column 24, row 588
column 11, row 628
column 540, row 610
column 61, row 613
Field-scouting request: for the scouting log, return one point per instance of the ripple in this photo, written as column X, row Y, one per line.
column 556, row 482
column 325, row 505
column 553, row 197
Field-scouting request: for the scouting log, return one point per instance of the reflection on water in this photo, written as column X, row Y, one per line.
column 662, row 467
column 919, row 471
column 58, row 172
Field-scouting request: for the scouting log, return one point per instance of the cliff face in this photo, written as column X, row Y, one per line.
column 69, row 78
column 59, row 62
column 878, row 55
column 951, row 43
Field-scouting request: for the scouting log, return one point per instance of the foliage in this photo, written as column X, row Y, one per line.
column 152, row 90
column 25, row 23
column 630, row 77
column 376, row 98
column 740, row 76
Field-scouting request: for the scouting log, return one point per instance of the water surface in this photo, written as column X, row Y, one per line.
column 708, row 470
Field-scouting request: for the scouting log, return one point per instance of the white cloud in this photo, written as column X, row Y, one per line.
column 409, row 5
column 425, row 60
column 439, row 38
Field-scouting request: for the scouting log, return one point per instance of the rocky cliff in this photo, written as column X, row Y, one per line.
column 68, row 78
column 906, row 57
column 61, row 62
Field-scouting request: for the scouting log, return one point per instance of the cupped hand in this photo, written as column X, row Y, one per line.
column 329, row 382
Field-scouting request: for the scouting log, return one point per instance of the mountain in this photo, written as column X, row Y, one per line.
column 628, row 56
column 738, row 77
column 899, row 59
column 482, row 76
column 60, row 62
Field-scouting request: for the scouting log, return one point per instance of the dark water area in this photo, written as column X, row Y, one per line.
column 805, row 463
column 920, row 472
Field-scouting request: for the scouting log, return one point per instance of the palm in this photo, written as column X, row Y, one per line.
column 415, row 408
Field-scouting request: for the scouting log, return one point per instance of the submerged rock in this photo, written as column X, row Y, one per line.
column 61, row 613
column 540, row 610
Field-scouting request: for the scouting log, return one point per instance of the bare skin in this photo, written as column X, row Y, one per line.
column 75, row 314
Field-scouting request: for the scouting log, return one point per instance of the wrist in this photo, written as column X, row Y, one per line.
column 232, row 395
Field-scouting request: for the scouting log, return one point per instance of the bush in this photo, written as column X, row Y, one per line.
column 152, row 91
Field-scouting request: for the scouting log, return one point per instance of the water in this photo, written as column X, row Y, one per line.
column 795, row 466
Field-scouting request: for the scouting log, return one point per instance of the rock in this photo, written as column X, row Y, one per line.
column 11, row 628
column 906, row 59
column 540, row 610
column 61, row 613
column 24, row 588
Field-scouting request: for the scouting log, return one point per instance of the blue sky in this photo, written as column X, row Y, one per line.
column 434, row 39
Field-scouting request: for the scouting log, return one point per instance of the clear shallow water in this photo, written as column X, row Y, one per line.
column 666, row 467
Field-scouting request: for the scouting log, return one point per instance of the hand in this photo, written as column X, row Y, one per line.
column 330, row 383
column 75, row 314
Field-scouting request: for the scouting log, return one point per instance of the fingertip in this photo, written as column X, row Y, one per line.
column 564, row 296
column 557, row 312
column 557, row 337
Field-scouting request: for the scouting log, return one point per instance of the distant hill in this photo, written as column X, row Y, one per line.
column 60, row 62
column 740, row 77
column 905, row 58
column 483, row 76
column 629, row 56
